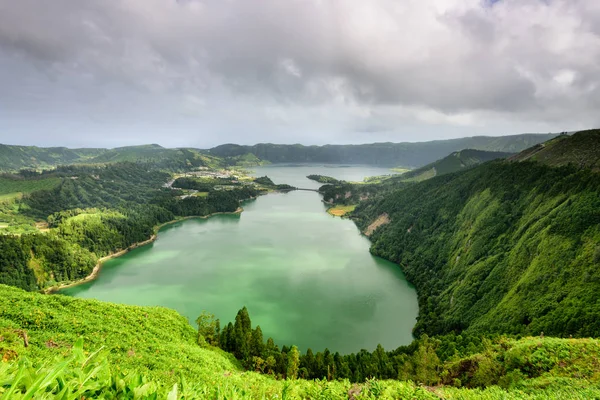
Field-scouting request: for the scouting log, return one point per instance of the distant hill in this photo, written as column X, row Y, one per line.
column 454, row 162
column 158, row 155
column 581, row 150
column 17, row 157
column 383, row 154
column 14, row 158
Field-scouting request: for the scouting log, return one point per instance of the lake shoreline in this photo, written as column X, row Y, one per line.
column 98, row 267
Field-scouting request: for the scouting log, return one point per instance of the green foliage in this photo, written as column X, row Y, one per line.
column 264, row 180
column 293, row 361
column 12, row 186
column 209, row 329
column 323, row 179
column 152, row 352
column 201, row 184
column 14, row 158
column 131, row 352
column 504, row 247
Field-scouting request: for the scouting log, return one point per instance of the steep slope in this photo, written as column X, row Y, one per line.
column 385, row 154
column 581, row 150
column 455, row 162
column 503, row 247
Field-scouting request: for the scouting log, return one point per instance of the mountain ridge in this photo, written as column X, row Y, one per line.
column 411, row 154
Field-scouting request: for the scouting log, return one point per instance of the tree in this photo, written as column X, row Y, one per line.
column 257, row 344
column 208, row 329
column 426, row 362
column 293, row 363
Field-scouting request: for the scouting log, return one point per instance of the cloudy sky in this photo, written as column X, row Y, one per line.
column 205, row 72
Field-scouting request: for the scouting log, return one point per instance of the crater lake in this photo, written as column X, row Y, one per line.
column 306, row 277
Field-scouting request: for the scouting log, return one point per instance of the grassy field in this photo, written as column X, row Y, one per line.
column 14, row 188
column 340, row 211
column 201, row 194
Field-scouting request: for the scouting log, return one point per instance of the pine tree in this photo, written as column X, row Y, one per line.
column 257, row 344
column 310, row 363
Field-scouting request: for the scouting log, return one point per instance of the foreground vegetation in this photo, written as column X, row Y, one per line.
column 88, row 349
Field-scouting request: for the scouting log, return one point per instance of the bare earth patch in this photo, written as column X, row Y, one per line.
column 380, row 221
column 340, row 211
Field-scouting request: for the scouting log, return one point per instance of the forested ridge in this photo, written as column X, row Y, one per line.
column 455, row 162
column 15, row 158
column 383, row 154
column 506, row 247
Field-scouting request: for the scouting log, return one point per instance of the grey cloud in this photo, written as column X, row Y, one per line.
column 447, row 60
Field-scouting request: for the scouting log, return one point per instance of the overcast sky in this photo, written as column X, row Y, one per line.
column 205, row 72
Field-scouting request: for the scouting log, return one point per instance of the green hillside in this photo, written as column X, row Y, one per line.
column 350, row 194
column 158, row 156
column 504, row 247
column 61, row 347
column 384, row 154
column 13, row 158
column 582, row 150
column 14, row 186
column 455, row 162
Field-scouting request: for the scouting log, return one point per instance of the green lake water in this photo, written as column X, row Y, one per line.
column 306, row 277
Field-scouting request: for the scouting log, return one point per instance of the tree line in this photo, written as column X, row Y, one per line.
column 422, row 361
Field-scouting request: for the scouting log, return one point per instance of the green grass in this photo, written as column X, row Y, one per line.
column 90, row 349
